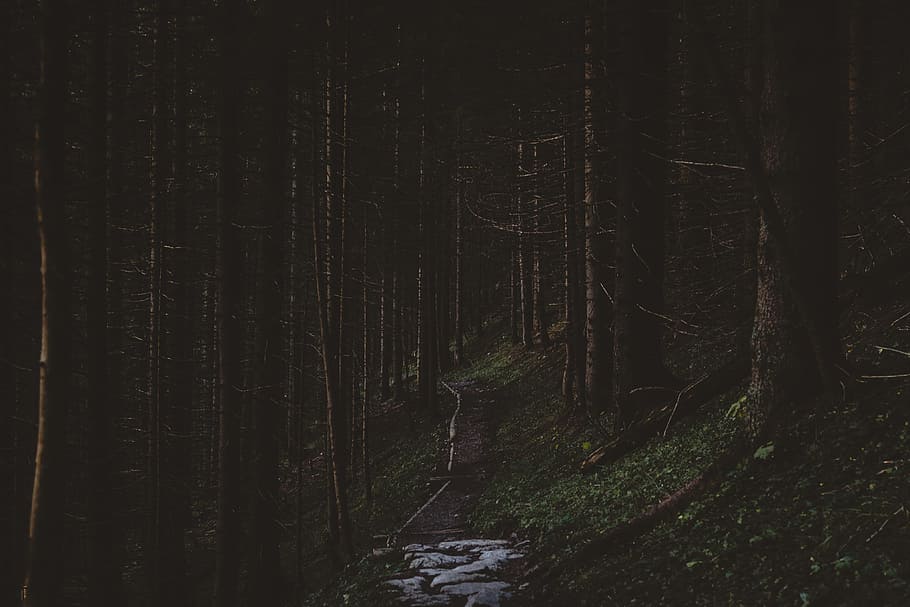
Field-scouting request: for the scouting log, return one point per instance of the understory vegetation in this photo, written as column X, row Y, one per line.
column 818, row 516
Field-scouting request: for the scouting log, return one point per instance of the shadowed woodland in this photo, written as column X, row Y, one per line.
column 258, row 252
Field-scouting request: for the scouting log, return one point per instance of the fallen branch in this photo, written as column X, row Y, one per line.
column 659, row 512
column 687, row 402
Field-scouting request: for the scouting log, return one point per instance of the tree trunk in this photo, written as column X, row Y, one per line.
column 572, row 384
column 180, row 456
column 514, row 292
column 745, row 284
column 228, row 527
column 459, row 263
column 265, row 568
column 525, row 249
column 426, row 374
column 330, row 254
column 156, row 563
column 799, row 155
column 641, row 204
column 43, row 583
column 365, row 367
column 542, row 323
column 104, row 581
column 598, row 353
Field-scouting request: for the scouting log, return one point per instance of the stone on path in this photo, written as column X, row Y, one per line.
column 469, row 589
column 436, row 560
column 456, row 572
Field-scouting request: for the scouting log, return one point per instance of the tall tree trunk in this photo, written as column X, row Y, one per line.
column 525, row 248
column 180, row 451
column 44, row 572
column 158, row 509
column 386, row 299
column 104, row 581
column 747, row 280
column 228, row 527
column 365, row 367
column 265, row 568
column 641, row 203
column 572, row 384
column 514, row 292
column 542, row 323
column 598, row 353
column 396, row 342
column 426, row 366
column 328, row 237
column 799, row 138
column 459, row 262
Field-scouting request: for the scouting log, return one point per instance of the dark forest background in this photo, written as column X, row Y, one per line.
column 263, row 224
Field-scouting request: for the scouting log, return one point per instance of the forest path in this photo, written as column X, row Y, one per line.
column 446, row 566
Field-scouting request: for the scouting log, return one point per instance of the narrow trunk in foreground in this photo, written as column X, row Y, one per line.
column 43, row 583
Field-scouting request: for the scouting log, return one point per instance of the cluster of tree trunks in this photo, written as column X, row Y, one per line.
column 363, row 177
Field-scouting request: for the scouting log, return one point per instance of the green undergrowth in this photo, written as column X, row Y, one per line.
column 408, row 456
column 818, row 517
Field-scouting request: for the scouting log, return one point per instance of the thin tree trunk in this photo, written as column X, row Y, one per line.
column 540, row 302
column 572, row 388
column 598, row 353
column 265, row 568
column 156, row 564
column 104, row 581
column 365, row 374
column 747, row 280
column 228, row 527
column 459, row 263
column 180, row 516
column 514, row 292
column 44, row 572
column 525, row 250
column 426, row 291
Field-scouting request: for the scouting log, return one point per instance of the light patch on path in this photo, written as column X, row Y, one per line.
column 455, row 573
column 445, row 569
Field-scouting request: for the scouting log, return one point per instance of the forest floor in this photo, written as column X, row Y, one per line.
column 818, row 516
column 446, row 564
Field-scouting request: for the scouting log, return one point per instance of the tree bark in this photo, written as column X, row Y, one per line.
column 641, row 182
column 572, row 380
column 228, row 526
column 598, row 353
column 799, row 158
column 104, row 581
column 156, row 561
column 43, row 583
column 525, row 249
column 459, row 262
column 265, row 568
column 542, row 323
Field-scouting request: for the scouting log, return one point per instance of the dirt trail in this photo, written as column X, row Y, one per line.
column 447, row 565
